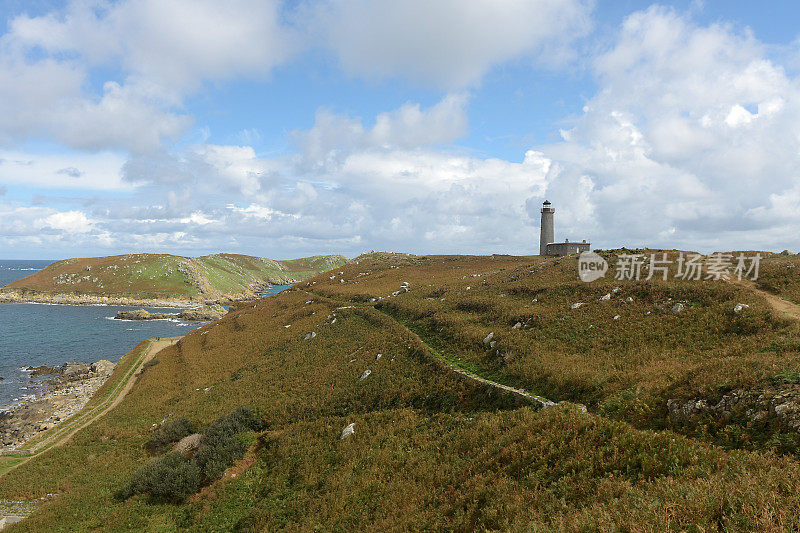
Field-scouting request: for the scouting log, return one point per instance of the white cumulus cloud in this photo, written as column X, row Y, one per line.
column 449, row 43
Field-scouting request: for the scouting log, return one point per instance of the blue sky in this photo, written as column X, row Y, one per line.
column 293, row 128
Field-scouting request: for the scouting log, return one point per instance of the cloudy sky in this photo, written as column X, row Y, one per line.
column 293, row 128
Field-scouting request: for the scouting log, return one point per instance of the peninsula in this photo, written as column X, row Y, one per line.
column 162, row 279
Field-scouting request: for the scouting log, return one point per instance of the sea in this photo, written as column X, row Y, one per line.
column 46, row 334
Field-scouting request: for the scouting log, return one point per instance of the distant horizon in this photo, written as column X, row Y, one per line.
column 384, row 251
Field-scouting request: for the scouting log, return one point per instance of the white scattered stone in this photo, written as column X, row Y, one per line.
column 606, row 296
column 492, row 344
column 378, row 357
column 616, row 317
column 740, row 307
column 310, row 336
column 615, row 290
column 365, row 375
column 488, row 338
column 629, row 299
column 678, row 308
column 576, row 305
column 517, row 325
column 348, row 431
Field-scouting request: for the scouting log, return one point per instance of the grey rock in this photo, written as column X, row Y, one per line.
column 102, row 367
column 73, row 369
column 188, row 443
column 348, row 431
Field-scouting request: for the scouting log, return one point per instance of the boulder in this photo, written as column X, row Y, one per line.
column 189, row 443
column 488, row 338
column 678, row 308
column 576, row 305
column 102, row 367
column 365, row 375
column 73, row 369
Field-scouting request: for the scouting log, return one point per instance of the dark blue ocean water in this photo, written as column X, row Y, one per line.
column 38, row 334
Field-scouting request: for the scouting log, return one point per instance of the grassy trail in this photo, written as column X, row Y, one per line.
column 450, row 363
column 63, row 432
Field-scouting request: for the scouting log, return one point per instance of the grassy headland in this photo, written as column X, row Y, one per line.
column 163, row 277
column 433, row 449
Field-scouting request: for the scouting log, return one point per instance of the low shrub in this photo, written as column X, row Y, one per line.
column 168, row 433
column 148, row 364
column 176, row 476
column 220, row 446
column 168, row 479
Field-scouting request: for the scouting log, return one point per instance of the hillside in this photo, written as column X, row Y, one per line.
column 161, row 276
column 664, row 416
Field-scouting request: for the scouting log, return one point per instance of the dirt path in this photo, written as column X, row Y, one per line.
column 781, row 306
column 542, row 401
column 82, row 419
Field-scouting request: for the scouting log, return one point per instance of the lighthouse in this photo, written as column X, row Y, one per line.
column 547, row 244
column 546, row 235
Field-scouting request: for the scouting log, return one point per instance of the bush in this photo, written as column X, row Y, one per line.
column 171, row 478
column 169, row 432
column 220, row 446
column 175, row 476
column 148, row 364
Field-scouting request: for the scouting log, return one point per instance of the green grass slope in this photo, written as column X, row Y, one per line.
column 433, row 450
column 170, row 276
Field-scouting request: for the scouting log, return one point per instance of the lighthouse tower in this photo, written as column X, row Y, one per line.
column 546, row 235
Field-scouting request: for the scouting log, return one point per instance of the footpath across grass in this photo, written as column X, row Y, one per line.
column 126, row 369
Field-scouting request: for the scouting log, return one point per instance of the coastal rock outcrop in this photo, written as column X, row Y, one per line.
column 71, row 387
column 205, row 313
column 208, row 312
column 102, row 366
column 141, row 314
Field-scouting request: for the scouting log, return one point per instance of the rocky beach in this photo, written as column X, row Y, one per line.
column 68, row 389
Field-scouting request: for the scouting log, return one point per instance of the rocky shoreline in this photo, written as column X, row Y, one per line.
column 206, row 313
column 67, row 392
column 28, row 296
